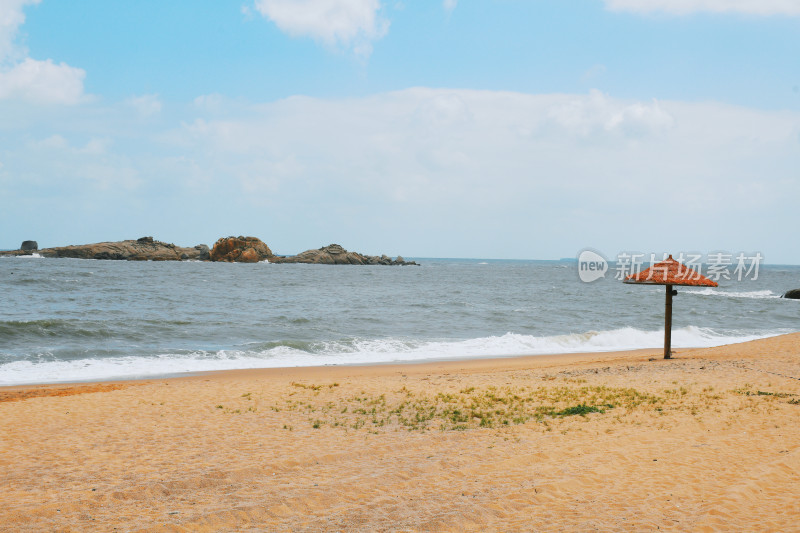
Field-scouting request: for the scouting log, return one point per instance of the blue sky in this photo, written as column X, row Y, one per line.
column 483, row 128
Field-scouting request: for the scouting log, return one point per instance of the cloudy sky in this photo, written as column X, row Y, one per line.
column 459, row 128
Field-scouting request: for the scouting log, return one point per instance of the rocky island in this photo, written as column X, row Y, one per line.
column 252, row 250
column 227, row 249
column 143, row 249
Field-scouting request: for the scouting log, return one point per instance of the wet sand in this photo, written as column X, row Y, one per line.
column 623, row 441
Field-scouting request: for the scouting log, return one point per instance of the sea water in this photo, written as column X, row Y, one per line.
column 72, row 320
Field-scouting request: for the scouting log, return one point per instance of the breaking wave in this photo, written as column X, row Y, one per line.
column 759, row 295
column 354, row 351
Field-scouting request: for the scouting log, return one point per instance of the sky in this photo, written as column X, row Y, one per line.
column 524, row 129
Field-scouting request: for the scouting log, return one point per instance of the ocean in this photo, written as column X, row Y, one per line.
column 65, row 320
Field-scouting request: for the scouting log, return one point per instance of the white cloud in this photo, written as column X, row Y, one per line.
column 594, row 72
column 494, row 174
column 42, row 82
column 11, row 18
column 597, row 113
column 57, row 163
column 494, row 150
column 146, row 104
column 96, row 146
column 682, row 7
column 24, row 78
column 352, row 24
column 210, row 102
column 53, row 142
column 449, row 5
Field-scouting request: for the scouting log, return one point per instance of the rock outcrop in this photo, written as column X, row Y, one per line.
column 29, row 246
column 240, row 250
column 794, row 294
column 143, row 249
column 203, row 252
column 334, row 254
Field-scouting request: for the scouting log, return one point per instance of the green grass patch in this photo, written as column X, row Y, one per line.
column 469, row 408
column 747, row 392
column 582, row 409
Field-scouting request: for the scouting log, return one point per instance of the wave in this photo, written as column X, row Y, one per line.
column 356, row 351
column 34, row 255
column 51, row 328
column 75, row 329
column 759, row 295
column 708, row 291
column 74, row 336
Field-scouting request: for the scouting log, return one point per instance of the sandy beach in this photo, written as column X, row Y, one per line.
column 623, row 441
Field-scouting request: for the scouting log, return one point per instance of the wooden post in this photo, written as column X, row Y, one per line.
column 668, row 324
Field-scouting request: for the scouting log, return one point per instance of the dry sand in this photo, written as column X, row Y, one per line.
column 708, row 441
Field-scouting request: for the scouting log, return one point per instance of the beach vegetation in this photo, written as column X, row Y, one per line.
column 582, row 410
column 312, row 386
column 776, row 394
column 469, row 408
column 745, row 391
column 432, row 405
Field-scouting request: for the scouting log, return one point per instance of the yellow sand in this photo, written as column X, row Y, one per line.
column 708, row 441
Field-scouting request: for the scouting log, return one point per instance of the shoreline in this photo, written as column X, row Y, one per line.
column 12, row 392
column 422, row 365
column 414, row 367
column 433, row 360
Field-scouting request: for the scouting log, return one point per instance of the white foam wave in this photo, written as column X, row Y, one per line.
column 359, row 351
column 735, row 294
